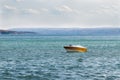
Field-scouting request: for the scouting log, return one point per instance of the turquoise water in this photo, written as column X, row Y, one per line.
column 43, row 58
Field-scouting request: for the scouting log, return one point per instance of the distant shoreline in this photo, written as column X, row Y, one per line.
column 64, row 31
column 15, row 32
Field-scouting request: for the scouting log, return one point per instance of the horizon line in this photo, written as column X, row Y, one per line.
column 60, row 28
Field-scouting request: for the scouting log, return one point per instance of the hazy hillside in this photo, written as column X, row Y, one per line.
column 76, row 31
column 15, row 32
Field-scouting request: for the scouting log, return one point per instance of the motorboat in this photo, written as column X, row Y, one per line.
column 75, row 48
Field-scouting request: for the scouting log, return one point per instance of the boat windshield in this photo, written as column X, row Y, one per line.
column 76, row 46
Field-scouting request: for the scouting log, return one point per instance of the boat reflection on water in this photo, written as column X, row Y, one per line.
column 75, row 48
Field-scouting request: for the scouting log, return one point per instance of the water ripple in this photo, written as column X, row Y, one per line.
column 43, row 58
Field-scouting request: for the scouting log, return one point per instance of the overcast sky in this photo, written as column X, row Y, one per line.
column 59, row 13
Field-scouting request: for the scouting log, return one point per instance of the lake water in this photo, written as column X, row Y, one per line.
column 44, row 58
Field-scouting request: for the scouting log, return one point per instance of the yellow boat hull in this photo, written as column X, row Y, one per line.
column 75, row 49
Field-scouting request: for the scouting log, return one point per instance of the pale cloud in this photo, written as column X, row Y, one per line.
column 0, row 12
column 32, row 11
column 19, row 0
column 66, row 13
column 64, row 8
column 10, row 7
column 44, row 10
column 109, row 10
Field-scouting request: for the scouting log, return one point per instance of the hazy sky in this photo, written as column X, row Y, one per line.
column 59, row 13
